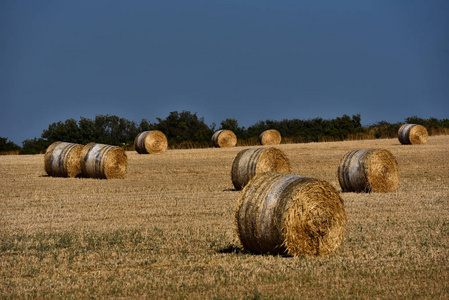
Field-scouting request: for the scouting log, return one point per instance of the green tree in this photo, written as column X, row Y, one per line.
column 67, row 131
column 88, row 131
column 341, row 127
column 35, row 146
column 113, row 130
column 6, row 145
column 145, row 125
column 184, row 127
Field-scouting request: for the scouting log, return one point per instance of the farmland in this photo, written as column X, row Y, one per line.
column 167, row 230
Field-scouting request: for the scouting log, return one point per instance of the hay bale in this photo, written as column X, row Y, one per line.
column 270, row 137
column 250, row 162
column 290, row 214
column 103, row 161
column 152, row 142
column 368, row 170
column 62, row 159
column 412, row 134
column 224, row 138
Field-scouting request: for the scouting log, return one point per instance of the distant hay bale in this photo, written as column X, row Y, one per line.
column 151, row 142
column 270, row 137
column 250, row 162
column 368, row 170
column 103, row 161
column 224, row 138
column 412, row 134
column 62, row 159
column 290, row 214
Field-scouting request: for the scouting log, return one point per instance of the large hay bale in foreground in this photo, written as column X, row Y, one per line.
column 290, row 214
column 270, row 137
column 412, row 134
column 250, row 162
column 103, row 161
column 150, row 142
column 62, row 159
column 224, row 138
column 368, row 170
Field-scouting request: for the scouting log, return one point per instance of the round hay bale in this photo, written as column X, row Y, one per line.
column 412, row 134
column 250, row 162
column 152, row 142
column 103, row 161
column 270, row 137
column 62, row 159
column 368, row 170
column 224, row 138
column 290, row 214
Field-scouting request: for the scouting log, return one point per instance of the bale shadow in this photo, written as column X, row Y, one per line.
column 230, row 190
column 232, row 249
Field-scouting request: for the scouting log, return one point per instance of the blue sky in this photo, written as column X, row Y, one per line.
column 248, row 60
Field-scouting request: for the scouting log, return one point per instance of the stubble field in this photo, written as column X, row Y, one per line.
column 167, row 230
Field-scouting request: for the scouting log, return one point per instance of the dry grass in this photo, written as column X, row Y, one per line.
column 10, row 152
column 167, row 230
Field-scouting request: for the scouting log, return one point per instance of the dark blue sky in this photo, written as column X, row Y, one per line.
column 248, row 60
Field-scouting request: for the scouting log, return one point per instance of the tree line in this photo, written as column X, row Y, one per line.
column 187, row 130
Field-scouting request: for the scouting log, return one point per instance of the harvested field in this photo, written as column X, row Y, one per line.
column 167, row 230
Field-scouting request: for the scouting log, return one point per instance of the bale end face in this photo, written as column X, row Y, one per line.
column 270, row 137
column 316, row 221
column 224, row 139
column 151, row 142
column 116, row 163
column 273, row 160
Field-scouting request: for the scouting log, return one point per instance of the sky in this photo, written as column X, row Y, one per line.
column 248, row 60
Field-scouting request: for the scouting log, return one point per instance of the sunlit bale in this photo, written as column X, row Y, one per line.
column 151, row 142
column 412, row 134
column 368, row 170
column 224, row 138
column 103, row 161
column 62, row 159
column 250, row 162
column 270, row 137
column 289, row 214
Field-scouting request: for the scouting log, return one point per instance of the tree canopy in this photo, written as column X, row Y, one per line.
column 186, row 130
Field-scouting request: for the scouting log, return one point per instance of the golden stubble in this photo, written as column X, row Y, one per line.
column 167, row 230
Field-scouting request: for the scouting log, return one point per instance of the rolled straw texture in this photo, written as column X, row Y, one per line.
column 270, row 137
column 412, row 134
column 103, row 161
column 151, row 142
column 62, row 159
column 224, row 138
column 289, row 214
column 368, row 170
column 250, row 162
